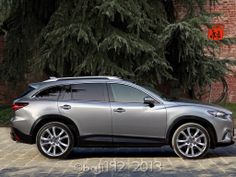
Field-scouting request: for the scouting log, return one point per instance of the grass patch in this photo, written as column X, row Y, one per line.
column 5, row 115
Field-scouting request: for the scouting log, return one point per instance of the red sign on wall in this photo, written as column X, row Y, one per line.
column 216, row 32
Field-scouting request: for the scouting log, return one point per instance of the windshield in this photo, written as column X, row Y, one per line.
column 156, row 92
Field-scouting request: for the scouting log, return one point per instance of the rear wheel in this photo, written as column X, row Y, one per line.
column 191, row 141
column 55, row 140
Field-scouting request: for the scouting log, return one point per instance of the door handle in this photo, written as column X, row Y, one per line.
column 119, row 110
column 66, row 107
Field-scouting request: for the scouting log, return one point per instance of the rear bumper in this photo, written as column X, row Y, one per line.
column 18, row 136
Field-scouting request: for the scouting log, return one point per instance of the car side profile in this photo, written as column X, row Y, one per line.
column 102, row 111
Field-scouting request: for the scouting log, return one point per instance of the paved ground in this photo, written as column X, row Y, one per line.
column 18, row 159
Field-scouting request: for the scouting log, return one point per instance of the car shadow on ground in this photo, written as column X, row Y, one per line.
column 121, row 152
column 79, row 153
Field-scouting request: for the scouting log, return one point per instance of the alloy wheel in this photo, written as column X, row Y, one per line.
column 191, row 142
column 55, row 140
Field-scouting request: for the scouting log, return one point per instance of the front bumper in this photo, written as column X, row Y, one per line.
column 224, row 130
column 18, row 136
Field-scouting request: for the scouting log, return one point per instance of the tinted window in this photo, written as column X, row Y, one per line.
column 65, row 93
column 28, row 90
column 50, row 94
column 89, row 92
column 123, row 93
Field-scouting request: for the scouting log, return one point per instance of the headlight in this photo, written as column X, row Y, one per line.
column 218, row 114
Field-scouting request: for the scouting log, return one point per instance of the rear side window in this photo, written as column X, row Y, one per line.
column 89, row 92
column 28, row 90
column 50, row 93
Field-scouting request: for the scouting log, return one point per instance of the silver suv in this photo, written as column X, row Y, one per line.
column 61, row 113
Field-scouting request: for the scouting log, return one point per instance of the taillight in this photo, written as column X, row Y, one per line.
column 17, row 106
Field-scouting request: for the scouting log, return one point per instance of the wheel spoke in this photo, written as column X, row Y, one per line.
column 62, row 131
column 183, row 133
column 48, row 131
column 182, row 145
column 64, row 137
column 186, row 152
column 54, row 131
column 46, row 143
column 54, row 150
column 192, row 151
column 181, row 141
column 200, row 136
column 45, row 139
column 195, row 134
column 63, row 144
column 202, row 144
column 200, row 149
column 49, row 149
column 60, row 147
column 189, row 132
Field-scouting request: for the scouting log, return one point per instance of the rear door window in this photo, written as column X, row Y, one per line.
column 89, row 92
column 50, row 93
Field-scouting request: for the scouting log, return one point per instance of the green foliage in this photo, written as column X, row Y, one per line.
column 104, row 38
column 5, row 6
column 5, row 115
column 136, row 39
column 192, row 55
column 23, row 25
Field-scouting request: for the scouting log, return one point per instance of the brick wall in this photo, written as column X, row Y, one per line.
column 228, row 18
column 227, row 9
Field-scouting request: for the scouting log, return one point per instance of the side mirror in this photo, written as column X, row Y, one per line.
column 150, row 101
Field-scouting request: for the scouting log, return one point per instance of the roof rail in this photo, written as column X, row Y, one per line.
column 81, row 77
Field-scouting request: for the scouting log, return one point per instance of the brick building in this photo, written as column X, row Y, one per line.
column 228, row 18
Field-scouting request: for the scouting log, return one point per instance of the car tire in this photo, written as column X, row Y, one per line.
column 191, row 141
column 55, row 140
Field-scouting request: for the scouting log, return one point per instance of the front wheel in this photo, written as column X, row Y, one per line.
column 191, row 141
column 55, row 140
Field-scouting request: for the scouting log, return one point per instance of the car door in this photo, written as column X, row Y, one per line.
column 133, row 121
column 88, row 106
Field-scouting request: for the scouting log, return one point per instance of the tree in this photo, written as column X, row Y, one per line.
column 193, row 57
column 23, row 23
column 105, row 37
column 137, row 39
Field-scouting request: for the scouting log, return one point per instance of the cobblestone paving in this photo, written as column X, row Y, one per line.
column 20, row 160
